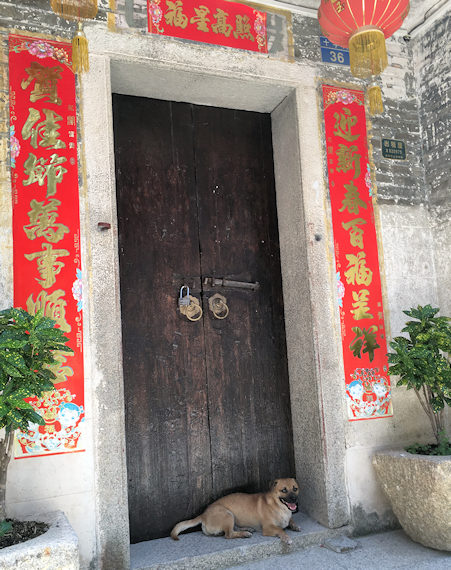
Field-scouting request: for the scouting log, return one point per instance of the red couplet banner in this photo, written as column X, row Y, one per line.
column 356, row 255
column 46, row 227
column 217, row 22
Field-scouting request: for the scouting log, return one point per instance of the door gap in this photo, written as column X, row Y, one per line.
column 201, row 293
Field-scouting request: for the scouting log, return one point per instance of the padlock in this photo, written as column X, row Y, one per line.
column 184, row 300
column 189, row 306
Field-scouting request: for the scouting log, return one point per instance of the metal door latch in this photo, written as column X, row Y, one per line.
column 222, row 282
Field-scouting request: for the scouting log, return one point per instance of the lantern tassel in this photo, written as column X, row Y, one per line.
column 374, row 94
column 80, row 58
column 367, row 52
column 75, row 9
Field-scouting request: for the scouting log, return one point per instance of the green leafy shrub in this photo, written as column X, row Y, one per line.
column 27, row 343
column 5, row 527
column 441, row 448
column 422, row 362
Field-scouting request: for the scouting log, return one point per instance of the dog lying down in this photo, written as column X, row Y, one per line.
column 239, row 514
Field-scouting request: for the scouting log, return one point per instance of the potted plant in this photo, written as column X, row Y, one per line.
column 417, row 480
column 27, row 343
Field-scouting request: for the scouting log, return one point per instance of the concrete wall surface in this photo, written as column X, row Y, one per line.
column 333, row 455
column 433, row 80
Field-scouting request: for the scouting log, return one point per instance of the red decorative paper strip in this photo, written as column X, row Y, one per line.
column 46, row 226
column 356, row 256
column 217, row 22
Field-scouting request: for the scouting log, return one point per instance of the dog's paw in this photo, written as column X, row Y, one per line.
column 247, row 528
column 295, row 527
column 247, row 534
column 286, row 540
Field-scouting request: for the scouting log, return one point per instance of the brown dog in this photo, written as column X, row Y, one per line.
column 271, row 512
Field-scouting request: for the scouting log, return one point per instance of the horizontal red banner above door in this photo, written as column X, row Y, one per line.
column 220, row 23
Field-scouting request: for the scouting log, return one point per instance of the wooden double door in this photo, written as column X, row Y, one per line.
column 207, row 401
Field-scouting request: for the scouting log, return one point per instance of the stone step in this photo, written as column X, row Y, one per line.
column 195, row 551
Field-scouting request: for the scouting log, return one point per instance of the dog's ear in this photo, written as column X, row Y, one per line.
column 273, row 484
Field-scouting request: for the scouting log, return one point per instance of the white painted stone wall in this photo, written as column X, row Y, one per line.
column 410, row 278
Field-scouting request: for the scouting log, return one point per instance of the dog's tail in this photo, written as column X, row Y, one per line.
column 184, row 525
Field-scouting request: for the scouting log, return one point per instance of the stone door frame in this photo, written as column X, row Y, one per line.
column 204, row 75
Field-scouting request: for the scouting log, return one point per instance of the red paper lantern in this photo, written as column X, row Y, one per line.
column 362, row 26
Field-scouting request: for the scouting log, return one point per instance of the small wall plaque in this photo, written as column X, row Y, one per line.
column 331, row 53
column 393, row 149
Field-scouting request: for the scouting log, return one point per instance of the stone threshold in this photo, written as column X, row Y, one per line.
column 195, row 550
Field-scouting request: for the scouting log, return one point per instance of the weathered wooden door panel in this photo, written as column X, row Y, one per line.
column 207, row 403
column 163, row 355
column 246, row 367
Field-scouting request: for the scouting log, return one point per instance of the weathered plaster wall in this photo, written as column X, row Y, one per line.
column 410, row 279
column 433, row 80
column 6, row 270
column 409, row 232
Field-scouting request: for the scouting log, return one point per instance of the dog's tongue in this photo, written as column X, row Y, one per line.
column 291, row 506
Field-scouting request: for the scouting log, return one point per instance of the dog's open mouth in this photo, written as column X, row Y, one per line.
column 292, row 506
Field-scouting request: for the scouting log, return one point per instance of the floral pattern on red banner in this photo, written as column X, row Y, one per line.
column 46, row 227
column 359, row 288
column 220, row 23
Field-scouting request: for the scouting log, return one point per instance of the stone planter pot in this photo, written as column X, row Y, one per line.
column 419, row 490
column 54, row 550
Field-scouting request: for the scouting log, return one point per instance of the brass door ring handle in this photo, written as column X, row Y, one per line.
column 193, row 311
column 218, row 306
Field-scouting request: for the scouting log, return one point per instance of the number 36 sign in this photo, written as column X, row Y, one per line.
column 331, row 53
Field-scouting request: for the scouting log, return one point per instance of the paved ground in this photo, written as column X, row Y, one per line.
column 379, row 551
column 195, row 551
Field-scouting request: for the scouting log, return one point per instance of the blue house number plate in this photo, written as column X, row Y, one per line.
column 331, row 53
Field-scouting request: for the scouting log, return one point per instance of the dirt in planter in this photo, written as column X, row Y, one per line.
column 442, row 448
column 22, row 531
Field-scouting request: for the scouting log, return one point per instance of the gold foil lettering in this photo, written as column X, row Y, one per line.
column 352, row 200
column 243, row 28
column 360, row 304
column 347, row 157
column 343, row 125
column 47, row 129
column 46, row 82
column 43, row 221
column 47, row 263
column 201, row 19
column 174, row 15
column 356, row 233
column 221, row 26
column 358, row 273
column 52, row 306
column 61, row 372
column 368, row 342
column 339, row 5
column 38, row 171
